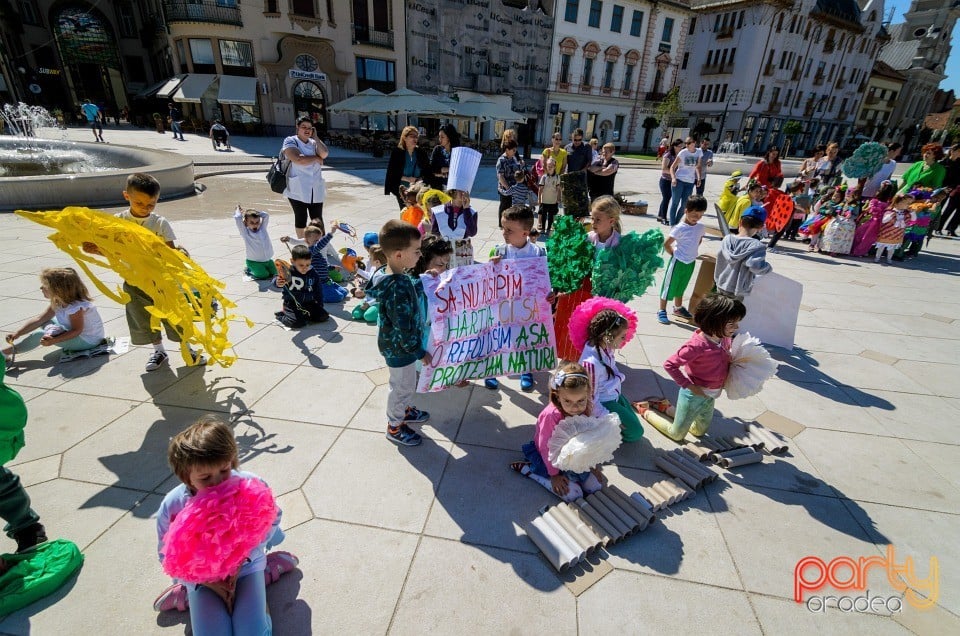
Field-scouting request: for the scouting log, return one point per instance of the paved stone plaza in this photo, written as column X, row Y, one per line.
column 429, row 540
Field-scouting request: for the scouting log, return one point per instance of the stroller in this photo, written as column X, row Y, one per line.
column 219, row 136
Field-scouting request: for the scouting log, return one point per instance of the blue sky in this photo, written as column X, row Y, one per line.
column 953, row 64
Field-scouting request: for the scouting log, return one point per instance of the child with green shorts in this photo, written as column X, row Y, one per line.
column 682, row 245
column 252, row 225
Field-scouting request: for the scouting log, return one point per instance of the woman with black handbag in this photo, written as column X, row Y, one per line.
column 305, row 187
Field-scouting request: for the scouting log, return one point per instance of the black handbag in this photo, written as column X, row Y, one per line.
column 277, row 175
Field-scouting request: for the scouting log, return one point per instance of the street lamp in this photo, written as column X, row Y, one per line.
column 734, row 95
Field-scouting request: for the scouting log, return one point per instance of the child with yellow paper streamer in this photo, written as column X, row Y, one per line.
column 162, row 284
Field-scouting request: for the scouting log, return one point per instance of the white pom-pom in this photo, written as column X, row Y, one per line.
column 579, row 442
column 750, row 367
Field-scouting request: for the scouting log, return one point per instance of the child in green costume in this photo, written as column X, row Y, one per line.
column 22, row 523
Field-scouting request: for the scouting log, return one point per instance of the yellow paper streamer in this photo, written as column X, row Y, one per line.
column 183, row 294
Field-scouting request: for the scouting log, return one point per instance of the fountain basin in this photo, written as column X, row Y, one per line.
column 92, row 175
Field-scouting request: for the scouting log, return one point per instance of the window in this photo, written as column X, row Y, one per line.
column 237, row 58
column 136, row 71
column 201, row 51
column 636, row 24
column 733, row 55
column 587, row 71
column 558, row 122
column 565, row 68
column 270, row 6
column 181, row 54
column 303, row 7
column 628, row 78
column 833, row 101
column 780, row 23
column 702, row 89
column 617, row 127
column 775, row 95
column 789, row 97
column 686, row 58
column 723, row 93
column 574, row 120
column 740, row 21
column 29, row 13
column 596, row 6
column 378, row 74
column 796, row 103
column 608, row 75
column 760, row 93
column 693, row 26
column 125, row 20
column 667, row 30
column 616, row 21
column 591, row 129
column 573, row 7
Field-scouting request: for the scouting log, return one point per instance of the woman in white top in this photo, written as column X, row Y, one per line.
column 685, row 173
column 305, row 188
column 872, row 185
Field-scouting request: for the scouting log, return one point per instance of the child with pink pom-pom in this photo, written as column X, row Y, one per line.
column 601, row 326
column 223, row 580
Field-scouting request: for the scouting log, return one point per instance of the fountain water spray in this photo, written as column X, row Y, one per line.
column 25, row 120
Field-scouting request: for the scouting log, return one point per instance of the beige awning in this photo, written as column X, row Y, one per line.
column 170, row 86
column 193, row 88
column 237, row 90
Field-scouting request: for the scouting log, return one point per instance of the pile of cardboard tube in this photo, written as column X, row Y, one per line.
column 568, row 532
column 665, row 493
column 682, row 467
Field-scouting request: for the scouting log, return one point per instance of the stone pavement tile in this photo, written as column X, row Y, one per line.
column 229, row 390
column 877, row 469
column 26, row 392
column 794, row 525
column 659, row 348
column 911, row 416
column 361, row 355
column 919, row 535
column 932, row 621
column 58, row 421
column 28, row 264
column 114, row 590
column 347, row 582
column 509, row 592
column 260, row 309
column 684, row 542
column 633, row 354
column 282, row 452
column 475, row 475
column 446, row 408
column 864, row 374
column 909, row 347
column 17, row 311
column 779, row 616
column 132, row 451
column 22, row 285
column 746, row 409
column 37, row 471
column 124, row 376
column 827, row 339
column 268, row 344
column 310, row 395
column 818, row 406
column 790, row 472
column 504, row 418
column 941, row 456
column 623, row 602
column 939, row 379
column 390, row 486
column 296, row 510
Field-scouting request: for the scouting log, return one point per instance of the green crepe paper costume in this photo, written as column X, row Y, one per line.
column 36, row 573
column 13, row 419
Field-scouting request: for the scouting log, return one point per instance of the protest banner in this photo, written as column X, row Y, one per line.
column 488, row 320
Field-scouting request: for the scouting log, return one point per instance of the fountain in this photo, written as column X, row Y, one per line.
column 730, row 148
column 38, row 172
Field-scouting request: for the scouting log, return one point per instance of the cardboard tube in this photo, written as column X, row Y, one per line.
column 739, row 451
column 667, row 496
column 657, row 419
column 641, row 510
column 588, row 521
column 563, row 536
column 599, row 520
column 600, row 506
column 741, row 460
column 755, row 440
column 696, row 451
column 570, row 525
column 628, row 506
column 621, row 514
column 643, row 502
column 674, row 470
column 568, row 512
column 685, row 491
column 709, row 442
column 648, row 495
column 641, row 499
column 772, row 443
column 722, row 444
column 556, row 552
column 698, row 469
column 688, row 464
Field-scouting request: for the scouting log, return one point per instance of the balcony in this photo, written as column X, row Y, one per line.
column 725, row 32
column 710, row 69
column 829, row 46
column 363, row 34
column 769, row 70
column 654, row 97
column 774, row 107
column 818, row 79
column 209, row 11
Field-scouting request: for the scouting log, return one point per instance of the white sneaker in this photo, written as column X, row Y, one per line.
column 157, row 358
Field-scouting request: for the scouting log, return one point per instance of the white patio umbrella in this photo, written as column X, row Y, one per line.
column 359, row 103
column 408, row 102
column 483, row 109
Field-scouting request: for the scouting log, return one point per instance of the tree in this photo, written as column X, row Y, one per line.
column 791, row 128
column 702, row 129
column 952, row 134
column 648, row 124
column 670, row 110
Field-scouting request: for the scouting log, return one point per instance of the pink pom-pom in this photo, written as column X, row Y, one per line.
column 214, row 533
column 585, row 311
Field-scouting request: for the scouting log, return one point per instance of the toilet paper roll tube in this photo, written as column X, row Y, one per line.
column 674, row 470
column 556, row 552
column 667, row 496
column 640, row 499
column 563, row 535
column 755, row 440
column 687, row 492
column 745, row 441
column 707, row 474
column 641, row 510
column 772, row 443
column 739, row 451
column 676, row 493
column 722, row 443
column 621, row 514
column 657, row 419
column 741, row 460
column 566, row 511
column 570, row 526
column 640, row 521
column 709, row 442
column 594, row 525
column 623, row 529
column 598, row 521
column 690, row 465
column 648, row 495
column 696, row 451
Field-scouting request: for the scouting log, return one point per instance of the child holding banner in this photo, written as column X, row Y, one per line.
column 516, row 223
column 401, row 332
column 569, row 396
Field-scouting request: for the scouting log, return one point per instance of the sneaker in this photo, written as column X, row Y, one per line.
column 172, row 598
column 156, row 359
column 526, row 382
column 403, row 435
column 773, row 250
column 197, row 358
column 492, row 383
column 416, row 416
column 682, row 312
column 29, row 537
column 662, row 317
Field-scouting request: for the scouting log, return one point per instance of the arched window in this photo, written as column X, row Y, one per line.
column 84, row 37
column 310, row 101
